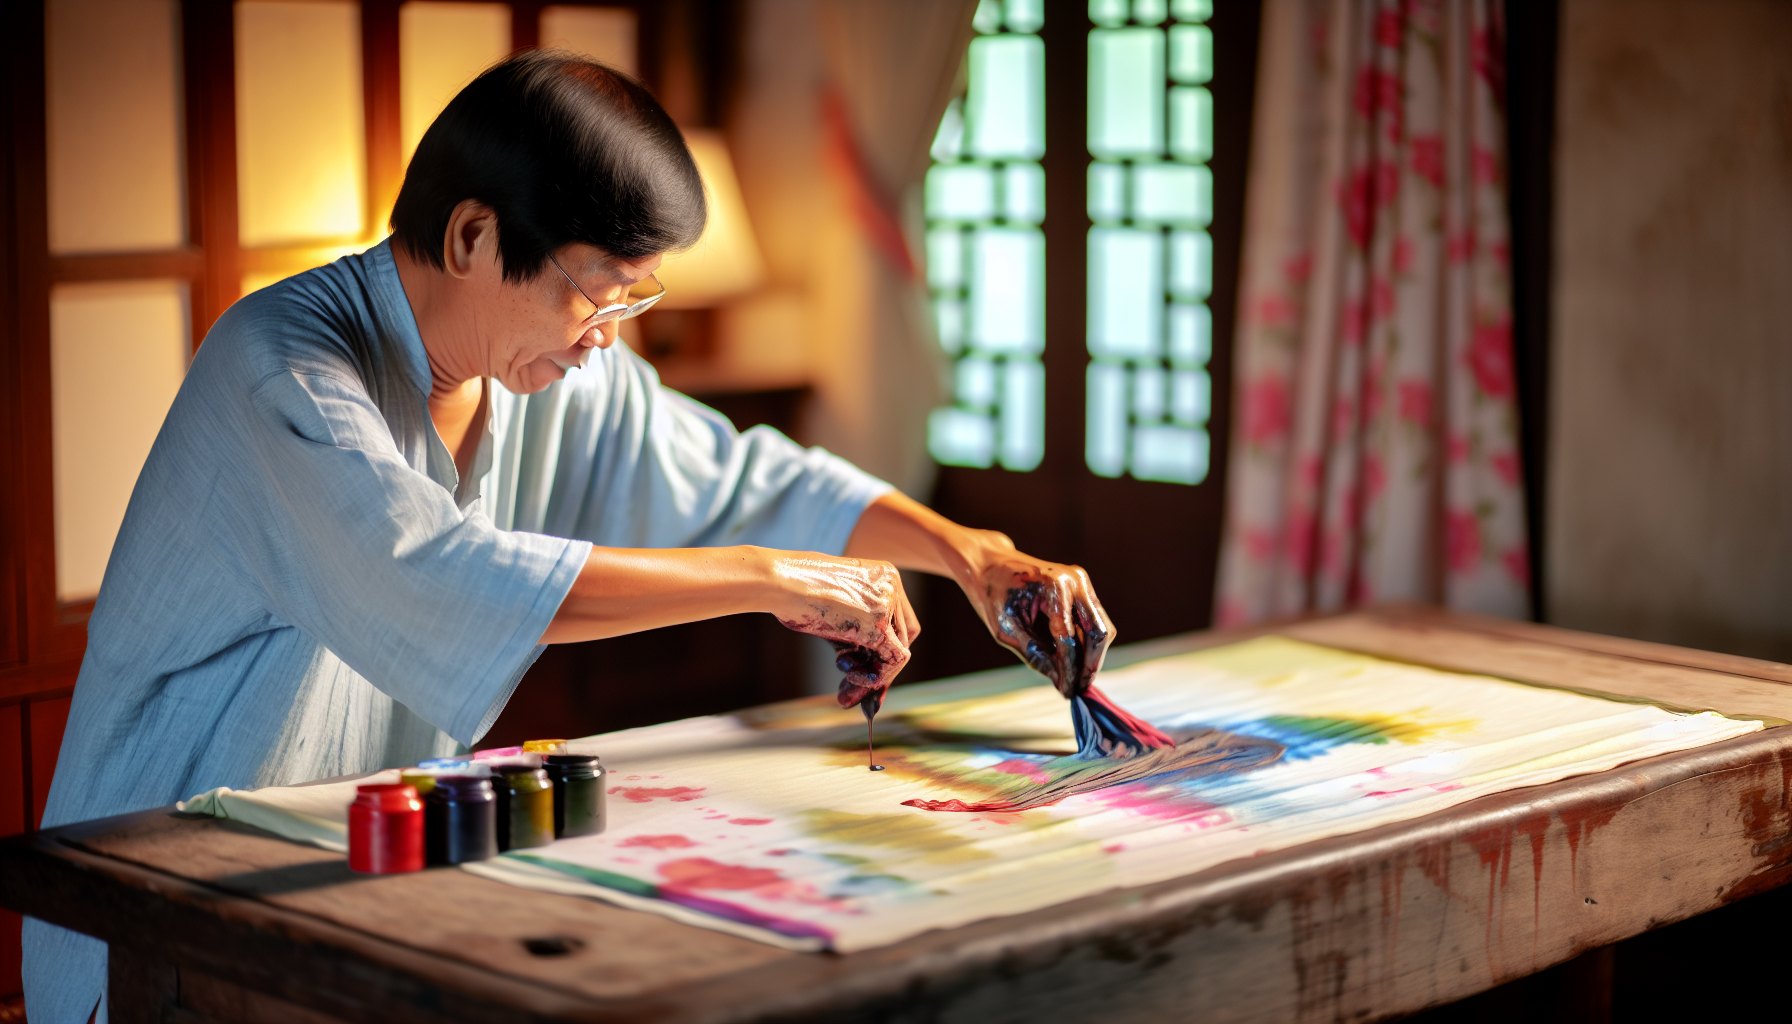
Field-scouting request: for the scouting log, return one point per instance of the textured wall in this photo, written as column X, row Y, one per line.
column 1670, row 490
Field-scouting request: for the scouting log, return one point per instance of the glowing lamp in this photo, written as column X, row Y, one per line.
column 725, row 261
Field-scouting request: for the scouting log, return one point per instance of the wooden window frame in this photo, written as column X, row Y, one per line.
column 1062, row 509
column 43, row 638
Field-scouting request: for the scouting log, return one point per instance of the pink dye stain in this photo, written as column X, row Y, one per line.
column 693, row 874
column 1435, row 787
column 749, row 821
column 779, row 853
column 1140, row 800
column 647, row 794
column 704, row 873
column 666, row 842
column 1029, row 769
column 1113, row 848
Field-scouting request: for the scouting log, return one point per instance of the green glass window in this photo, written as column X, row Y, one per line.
column 985, row 200
column 1149, row 196
column 1150, row 201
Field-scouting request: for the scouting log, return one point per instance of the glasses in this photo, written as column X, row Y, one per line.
column 636, row 304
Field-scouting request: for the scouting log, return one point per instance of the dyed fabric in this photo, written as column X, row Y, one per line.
column 1375, row 455
column 767, row 824
column 303, row 586
column 1104, row 729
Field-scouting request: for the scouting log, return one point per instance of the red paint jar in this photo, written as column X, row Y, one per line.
column 385, row 830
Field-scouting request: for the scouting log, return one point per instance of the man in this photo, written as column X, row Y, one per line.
column 386, row 482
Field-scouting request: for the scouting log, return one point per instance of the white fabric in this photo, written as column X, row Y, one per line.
column 767, row 823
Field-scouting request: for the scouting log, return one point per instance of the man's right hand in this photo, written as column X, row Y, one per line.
column 856, row 604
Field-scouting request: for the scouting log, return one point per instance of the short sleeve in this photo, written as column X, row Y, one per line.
column 347, row 541
column 631, row 463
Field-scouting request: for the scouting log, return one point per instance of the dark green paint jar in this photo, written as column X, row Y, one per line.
column 578, row 793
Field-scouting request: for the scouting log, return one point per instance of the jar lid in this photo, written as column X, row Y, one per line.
column 388, row 796
column 465, row 786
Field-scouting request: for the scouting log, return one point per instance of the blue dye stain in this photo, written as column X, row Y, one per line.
column 1305, row 736
column 869, row 884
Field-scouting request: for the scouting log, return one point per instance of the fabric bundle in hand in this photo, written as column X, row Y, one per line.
column 1104, row 729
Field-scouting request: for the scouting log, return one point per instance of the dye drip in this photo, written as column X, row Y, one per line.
column 868, row 707
column 1206, row 752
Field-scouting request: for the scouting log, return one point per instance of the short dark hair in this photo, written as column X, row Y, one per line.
column 563, row 149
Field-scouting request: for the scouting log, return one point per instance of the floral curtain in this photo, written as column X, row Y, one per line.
column 1375, row 453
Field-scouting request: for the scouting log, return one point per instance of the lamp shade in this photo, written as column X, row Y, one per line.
column 725, row 261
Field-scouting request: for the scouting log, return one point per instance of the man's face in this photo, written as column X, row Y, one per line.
column 541, row 327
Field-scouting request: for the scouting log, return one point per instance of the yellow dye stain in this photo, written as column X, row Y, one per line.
column 910, row 833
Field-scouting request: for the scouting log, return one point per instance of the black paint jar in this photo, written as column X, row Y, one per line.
column 460, row 820
column 525, row 806
column 578, row 793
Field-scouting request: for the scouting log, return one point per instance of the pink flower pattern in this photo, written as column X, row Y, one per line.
column 1517, row 561
column 1505, row 466
column 1403, row 254
column 1415, row 402
column 1275, row 311
column 1380, row 95
column 1266, row 413
column 1390, row 27
column 1489, row 358
column 1386, row 402
column 1427, row 158
column 1462, row 540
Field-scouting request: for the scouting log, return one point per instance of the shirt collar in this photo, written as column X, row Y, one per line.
column 394, row 311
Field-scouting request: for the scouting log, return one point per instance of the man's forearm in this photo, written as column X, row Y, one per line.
column 897, row 529
column 627, row 590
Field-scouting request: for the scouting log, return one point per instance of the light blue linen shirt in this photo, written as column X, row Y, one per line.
column 303, row 587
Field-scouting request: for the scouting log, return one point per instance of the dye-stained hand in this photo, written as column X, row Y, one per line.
column 860, row 607
column 1045, row 612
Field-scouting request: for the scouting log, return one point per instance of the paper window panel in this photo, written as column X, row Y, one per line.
column 607, row 33
column 984, row 200
column 1150, row 257
column 113, row 117
column 118, row 352
column 301, row 147
column 442, row 47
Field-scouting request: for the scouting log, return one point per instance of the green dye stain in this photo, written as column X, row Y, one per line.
column 596, row 876
column 875, row 879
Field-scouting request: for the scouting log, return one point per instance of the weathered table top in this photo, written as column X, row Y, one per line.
column 227, row 923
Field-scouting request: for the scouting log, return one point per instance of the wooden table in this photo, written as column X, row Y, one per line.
column 226, row 923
